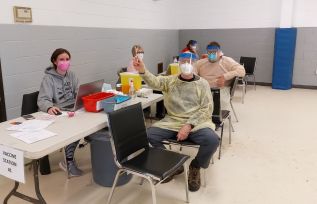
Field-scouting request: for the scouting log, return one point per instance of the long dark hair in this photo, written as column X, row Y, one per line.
column 56, row 53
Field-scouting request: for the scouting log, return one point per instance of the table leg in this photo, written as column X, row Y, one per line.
column 14, row 191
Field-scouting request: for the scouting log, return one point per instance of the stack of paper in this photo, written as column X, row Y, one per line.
column 31, row 137
column 31, row 125
column 31, row 131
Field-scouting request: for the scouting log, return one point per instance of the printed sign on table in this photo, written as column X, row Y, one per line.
column 12, row 163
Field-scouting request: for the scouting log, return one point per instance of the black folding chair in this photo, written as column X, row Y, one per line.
column 132, row 153
column 29, row 106
column 219, row 116
column 249, row 64
column 233, row 86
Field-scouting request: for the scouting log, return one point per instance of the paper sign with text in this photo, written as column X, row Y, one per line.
column 12, row 163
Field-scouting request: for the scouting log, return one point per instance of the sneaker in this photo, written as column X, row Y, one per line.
column 177, row 172
column 72, row 168
column 218, row 126
column 193, row 179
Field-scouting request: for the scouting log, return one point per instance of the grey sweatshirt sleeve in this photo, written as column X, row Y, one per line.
column 45, row 98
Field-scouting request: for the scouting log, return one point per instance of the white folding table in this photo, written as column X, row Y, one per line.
column 68, row 129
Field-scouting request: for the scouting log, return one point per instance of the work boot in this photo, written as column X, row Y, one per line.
column 193, row 178
column 177, row 172
column 71, row 168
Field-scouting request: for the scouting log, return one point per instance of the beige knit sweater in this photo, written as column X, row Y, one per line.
column 226, row 66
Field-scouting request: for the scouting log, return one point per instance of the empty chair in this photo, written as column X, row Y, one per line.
column 249, row 64
column 160, row 68
column 128, row 137
column 29, row 106
column 29, row 103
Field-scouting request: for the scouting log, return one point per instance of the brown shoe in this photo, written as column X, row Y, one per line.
column 177, row 172
column 193, row 179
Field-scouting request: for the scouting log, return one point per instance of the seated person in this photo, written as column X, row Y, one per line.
column 189, row 106
column 59, row 86
column 219, row 70
column 136, row 50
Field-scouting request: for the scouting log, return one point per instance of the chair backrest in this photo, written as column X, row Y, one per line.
column 216, row 114
column 160, row 67
column 122, row 69
column 248, row 63
column 233, row 86
column 29, row 103
column 128, row 131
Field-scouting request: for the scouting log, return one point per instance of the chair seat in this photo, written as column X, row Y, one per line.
column 225, row 113
column 186, row 142
column 157, row 162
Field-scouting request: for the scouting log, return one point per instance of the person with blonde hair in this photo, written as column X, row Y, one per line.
column 136, row 50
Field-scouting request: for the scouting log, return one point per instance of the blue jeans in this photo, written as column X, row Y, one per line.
column 206, row 138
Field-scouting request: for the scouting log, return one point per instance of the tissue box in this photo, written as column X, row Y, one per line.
column 115, row 103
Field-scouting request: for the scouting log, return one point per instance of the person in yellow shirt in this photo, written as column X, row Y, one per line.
column 219, row 70
column 189, row 105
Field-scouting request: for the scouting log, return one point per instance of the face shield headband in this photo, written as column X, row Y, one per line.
column 187, row 55
column 213, row 47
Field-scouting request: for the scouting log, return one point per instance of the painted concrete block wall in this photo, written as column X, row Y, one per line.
column 305, row 65
column 96, row 53
column 256, row 42
column 305, row 14
column 95, row 13
column 212, row 14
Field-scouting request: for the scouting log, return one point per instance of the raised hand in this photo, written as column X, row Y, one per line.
column 138, row 64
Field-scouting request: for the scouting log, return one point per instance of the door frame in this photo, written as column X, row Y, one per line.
column 3, row 113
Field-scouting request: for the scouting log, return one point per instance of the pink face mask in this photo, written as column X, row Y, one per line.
column 63, row 65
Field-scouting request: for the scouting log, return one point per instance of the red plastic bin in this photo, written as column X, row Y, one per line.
column 91, row 102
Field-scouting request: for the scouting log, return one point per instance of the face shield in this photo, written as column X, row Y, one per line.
column 213, row 53
column 186, row 61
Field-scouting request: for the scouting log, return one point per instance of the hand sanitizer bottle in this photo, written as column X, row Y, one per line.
column 132, row 92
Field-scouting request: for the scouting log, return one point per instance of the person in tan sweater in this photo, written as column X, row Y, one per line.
column 219, row 70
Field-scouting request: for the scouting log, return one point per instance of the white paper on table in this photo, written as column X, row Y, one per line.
column 31, row 125
column 31, row 137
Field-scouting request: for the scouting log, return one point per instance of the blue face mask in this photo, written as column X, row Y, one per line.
column 212, row 56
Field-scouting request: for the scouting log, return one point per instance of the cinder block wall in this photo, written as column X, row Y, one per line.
column 97, row 53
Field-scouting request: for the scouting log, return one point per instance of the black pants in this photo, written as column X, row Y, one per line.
column 160, row 108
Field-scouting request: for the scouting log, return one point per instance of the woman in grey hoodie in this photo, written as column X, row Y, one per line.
column 59, row 86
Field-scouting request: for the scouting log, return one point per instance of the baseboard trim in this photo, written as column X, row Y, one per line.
column 261, row 83
column 304, row 86
column 293, row 86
